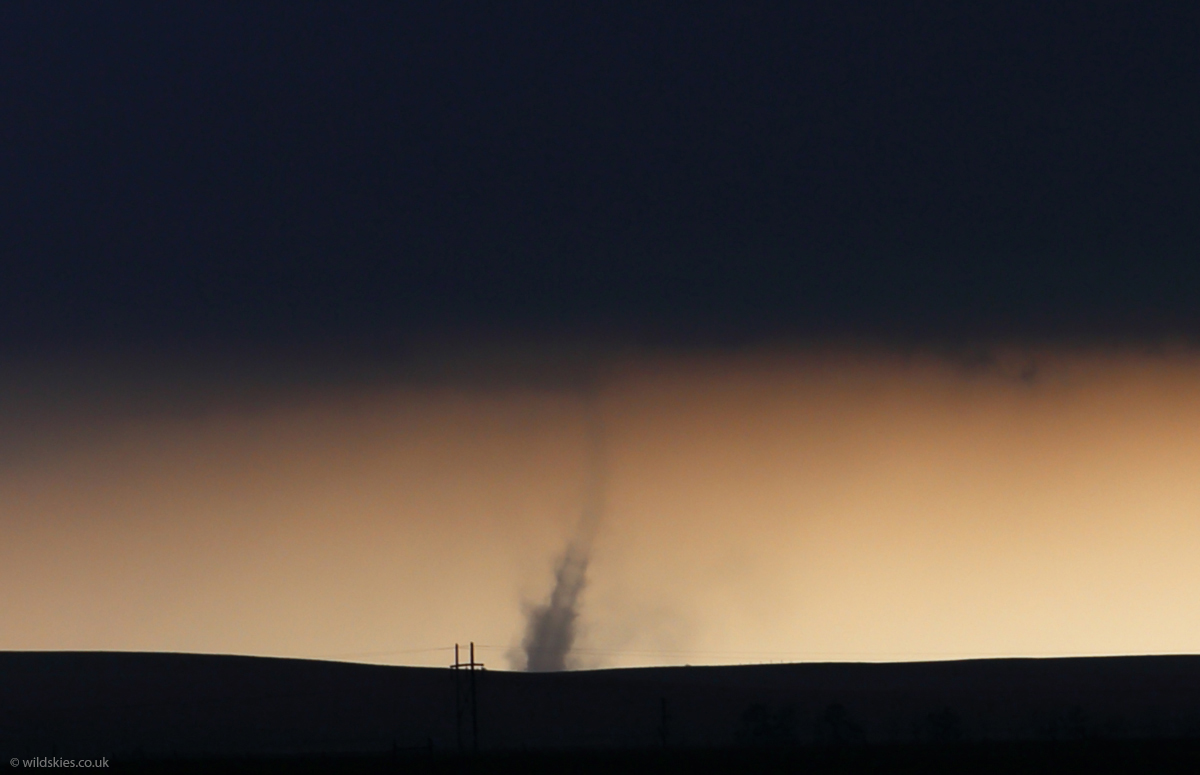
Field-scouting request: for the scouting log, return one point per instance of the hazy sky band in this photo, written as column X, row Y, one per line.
column 840, row 503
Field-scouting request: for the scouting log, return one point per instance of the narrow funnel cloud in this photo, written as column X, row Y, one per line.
column 550, row 628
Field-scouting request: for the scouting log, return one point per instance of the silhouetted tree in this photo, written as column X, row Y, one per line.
column 1076, row 723
column 837, row 727
column 944, row 726
column 760, row 726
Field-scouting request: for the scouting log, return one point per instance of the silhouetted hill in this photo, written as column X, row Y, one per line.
column 182, row 705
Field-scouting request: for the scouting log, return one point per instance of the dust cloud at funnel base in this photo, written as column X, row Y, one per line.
column 550, row 630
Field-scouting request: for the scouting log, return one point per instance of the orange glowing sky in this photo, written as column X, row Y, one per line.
column 774, row 504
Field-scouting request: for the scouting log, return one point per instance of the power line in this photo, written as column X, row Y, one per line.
column 382, row 653
column 871, row 655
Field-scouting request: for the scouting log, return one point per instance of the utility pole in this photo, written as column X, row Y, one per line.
column 459, row 703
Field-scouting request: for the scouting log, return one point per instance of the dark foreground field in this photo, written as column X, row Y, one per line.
column 178, row 712
column 1006, row 758
column 1162, row 756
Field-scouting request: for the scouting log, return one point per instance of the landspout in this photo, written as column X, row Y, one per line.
column 551, row 628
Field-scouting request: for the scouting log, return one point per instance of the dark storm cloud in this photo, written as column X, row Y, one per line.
column 50, row 403
column 352, row 176
column 121, row 385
